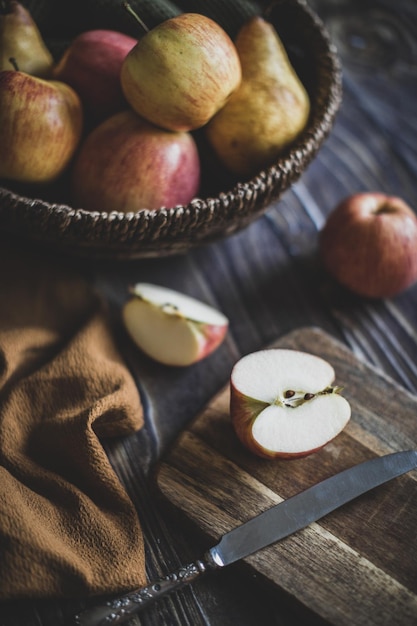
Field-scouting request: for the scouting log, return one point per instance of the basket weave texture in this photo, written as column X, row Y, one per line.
column 173, row 230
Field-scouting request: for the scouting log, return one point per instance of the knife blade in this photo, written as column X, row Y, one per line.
column 274, row 524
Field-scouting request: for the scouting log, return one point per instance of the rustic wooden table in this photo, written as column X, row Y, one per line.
column 268, row 281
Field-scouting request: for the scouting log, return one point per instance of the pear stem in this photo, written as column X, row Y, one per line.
column 14, row 63
column 266, row 14
column 129, row 9
column 5, row 7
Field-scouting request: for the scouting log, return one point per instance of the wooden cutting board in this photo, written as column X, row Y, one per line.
column 357, row 566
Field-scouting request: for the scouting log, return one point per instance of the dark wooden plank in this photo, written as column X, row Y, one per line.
column 267, row 280
column 364, row 551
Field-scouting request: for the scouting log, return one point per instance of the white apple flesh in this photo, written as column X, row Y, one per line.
column 171, row 327
column 369, row 244
column 283, row 403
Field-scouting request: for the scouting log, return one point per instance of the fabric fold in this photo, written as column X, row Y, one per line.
column 67, row 526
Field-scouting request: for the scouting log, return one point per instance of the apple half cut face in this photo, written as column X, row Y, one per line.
column 171, row 327
column 283, row 403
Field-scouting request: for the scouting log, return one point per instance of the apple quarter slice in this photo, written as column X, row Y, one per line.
column 283, row 403
column 171, row 327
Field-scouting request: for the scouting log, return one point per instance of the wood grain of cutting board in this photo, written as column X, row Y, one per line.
column 357, row 566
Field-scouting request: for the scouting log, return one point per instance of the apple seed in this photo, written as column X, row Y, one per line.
column 168, row 307
column 302, row 397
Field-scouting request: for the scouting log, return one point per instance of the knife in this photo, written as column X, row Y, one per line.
column 268, row 527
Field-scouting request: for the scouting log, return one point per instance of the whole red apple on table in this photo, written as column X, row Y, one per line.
column 91, row 65
column 181, row 72
column 126, row 164
column 369, row 244
column 41, row 125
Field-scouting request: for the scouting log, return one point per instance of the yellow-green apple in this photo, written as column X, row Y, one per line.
column 369, row 244
column 41, row 125
column 91, row 65
column 181, row 72
column 171, row 327
column 283, row 403
column 127, row 164
column 21, row 39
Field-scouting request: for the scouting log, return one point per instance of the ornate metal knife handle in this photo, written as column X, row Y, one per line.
column 121, row 609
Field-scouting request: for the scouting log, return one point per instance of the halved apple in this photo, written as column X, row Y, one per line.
column 283, row 403
column 171, row 327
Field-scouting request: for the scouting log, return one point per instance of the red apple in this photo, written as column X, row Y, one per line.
column 91, row 65
column 181, row 72
column 283, row 404
column 369, row 244
column 171, row 327
column 40, row 127
column 126, row 164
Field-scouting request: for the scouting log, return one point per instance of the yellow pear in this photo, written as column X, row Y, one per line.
column 20, row 39
column 269, row 109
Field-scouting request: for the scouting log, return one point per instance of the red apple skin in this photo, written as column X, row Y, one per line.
column 369, row 244
column 243, row 412
column 92, row 65
column 181, row 72
column 126, row 164
column 41, row 125
column 212, row 337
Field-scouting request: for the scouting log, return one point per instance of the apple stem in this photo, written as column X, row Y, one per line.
column 266, row 14
column 385, row 208
column 129, row 9
column 14, row 63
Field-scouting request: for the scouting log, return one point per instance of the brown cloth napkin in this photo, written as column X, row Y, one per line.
column 67, row 527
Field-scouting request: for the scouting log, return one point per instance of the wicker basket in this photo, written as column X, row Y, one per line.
column 225, row 210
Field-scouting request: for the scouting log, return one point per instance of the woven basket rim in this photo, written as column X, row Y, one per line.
column 157, row 231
